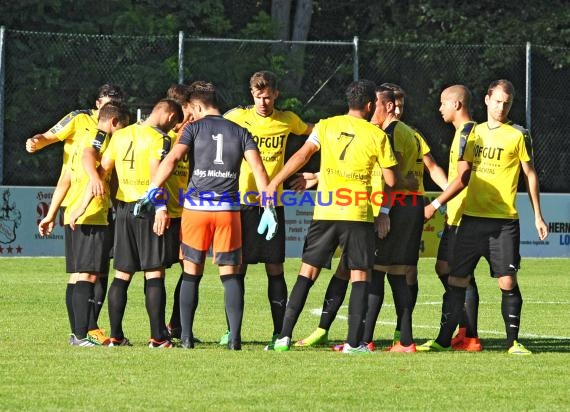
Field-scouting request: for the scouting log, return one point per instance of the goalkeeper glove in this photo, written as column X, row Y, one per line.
column 268, row 222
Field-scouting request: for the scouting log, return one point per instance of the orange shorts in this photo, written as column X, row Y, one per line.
column 221, row 231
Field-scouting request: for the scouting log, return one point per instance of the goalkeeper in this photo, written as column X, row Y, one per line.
column 211, row 216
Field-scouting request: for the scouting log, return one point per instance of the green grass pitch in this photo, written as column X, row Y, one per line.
column 39, row 371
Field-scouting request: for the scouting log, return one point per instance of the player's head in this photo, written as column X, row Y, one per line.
column 203, row 98
column 166, row 114
column 499, row 100
column 113, row 116
column 385, row 105
column 454, row 100
column 400, row 96
column 361, row 96
column 181, row 93
column 107, row 93
column 263, row 87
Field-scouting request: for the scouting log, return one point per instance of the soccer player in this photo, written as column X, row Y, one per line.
column 65, row 130
column 455, row 109
column 270, row 128
column 490, row 226
column 87, row 248
column 351, row 147
column 211, row 215
column 135, row 153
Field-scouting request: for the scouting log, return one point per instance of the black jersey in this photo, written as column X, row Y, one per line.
column 216, row 148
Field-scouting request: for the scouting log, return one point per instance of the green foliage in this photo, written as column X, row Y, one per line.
column 41, row 372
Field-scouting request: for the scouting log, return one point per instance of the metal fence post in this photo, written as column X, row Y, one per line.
column 355, row 62
column 180, row 57
column 528, row 91
column 2, row 93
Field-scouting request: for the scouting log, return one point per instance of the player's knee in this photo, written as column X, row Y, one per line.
column 461, row 282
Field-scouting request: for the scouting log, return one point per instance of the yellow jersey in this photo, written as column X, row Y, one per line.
column 350, row 149
column 96, row 212
column 65, row 130
column 132, row 149
column 463, row 136
column 495, row 156
column 177, row 181
column 270, row 133
column 403, row 140
column 418, row 169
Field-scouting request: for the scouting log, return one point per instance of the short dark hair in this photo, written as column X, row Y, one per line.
column 360, row 93
column 504, row 84
column 113, row 91
column 263, row 79
column 205, row 92
column 171, row 106
column 386, row 93
column 399, row 92
column 179, row 92
column 118, row 110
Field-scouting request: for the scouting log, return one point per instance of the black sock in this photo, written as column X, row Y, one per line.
column 511, row 306
column 189, row 291
column 99, row 294
column 233, row 299
column 155, row 307
column 116, row 304
column 277, row 294
column 375, row 301
column 471, row 309
column 414, row 290
column 453, row 302
column 69, row 305
column 295, row 305
column 403, row 303
column 356, row 312
column 334, row 296
column 82, row 301
column 175, row 316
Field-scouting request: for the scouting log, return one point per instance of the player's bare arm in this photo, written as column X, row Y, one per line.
column 532, row 187
column 295, row 162
column 304, row 181
column 436, row 173
column 39, row 141
column 258, row 169
column 89, row 161
column 453, row 189
column 45, row 227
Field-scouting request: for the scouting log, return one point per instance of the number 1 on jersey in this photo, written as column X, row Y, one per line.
column 219, row 139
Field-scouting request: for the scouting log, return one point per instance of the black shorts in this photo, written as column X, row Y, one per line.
column 137, row 247
column 402, row 245
column 447, row 242
column 111, row 220
column 86, row 249
column 172, row 239
column 497, row 240
column 255, row 248
column 356, row 240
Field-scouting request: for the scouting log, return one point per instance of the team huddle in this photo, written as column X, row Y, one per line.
column 186, row 145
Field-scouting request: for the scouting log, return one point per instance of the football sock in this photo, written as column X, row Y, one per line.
column 116, row 303
column 403, row 303
column 82, row 301
column 453, row 302
column 188, row 295
column 155, row 307
column 375, row 301
column 334, row 296
column 233, row 299
column 277, row 294
column 99, row 295
column 175, row 316
column 69, row 305
column 295, row 305
column 356, row 312
column 511, row 306
column 471, row 309
column 414, row 290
